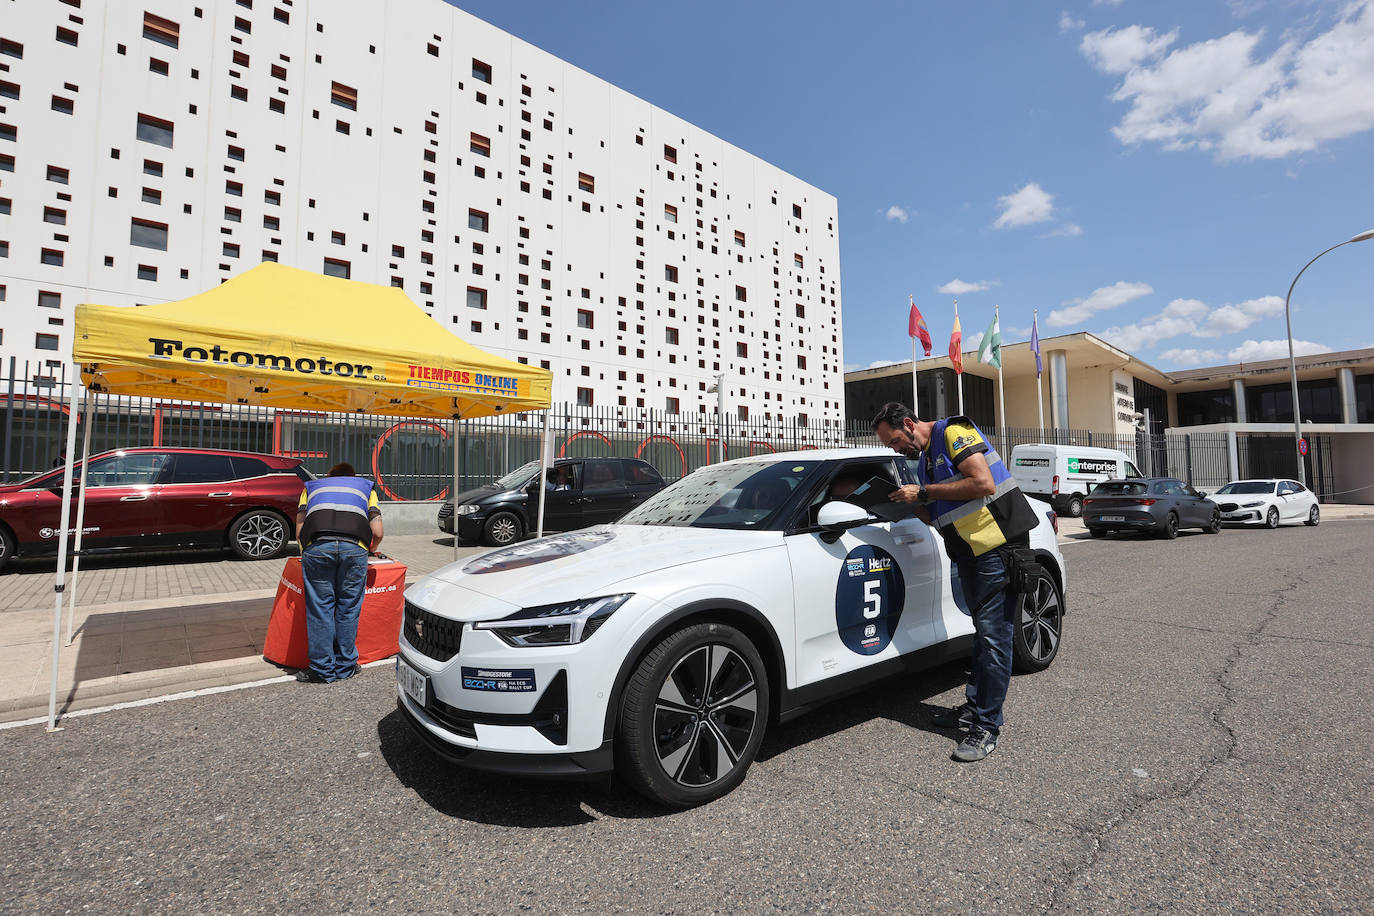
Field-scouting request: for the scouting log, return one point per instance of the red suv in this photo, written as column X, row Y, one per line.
column 152, row 498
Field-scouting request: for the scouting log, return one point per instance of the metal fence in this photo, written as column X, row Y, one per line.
column 410, row 459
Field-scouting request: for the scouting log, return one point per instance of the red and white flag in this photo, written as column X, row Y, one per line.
column 916, row 327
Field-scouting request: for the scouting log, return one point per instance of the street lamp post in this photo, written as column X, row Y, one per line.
column 719, row 389
column 1292, row 363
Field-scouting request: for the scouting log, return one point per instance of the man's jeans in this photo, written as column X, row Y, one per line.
column 335, row 577
column 993, row 606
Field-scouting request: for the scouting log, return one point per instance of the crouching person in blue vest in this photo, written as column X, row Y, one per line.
column 338, row 525
column 970, row 497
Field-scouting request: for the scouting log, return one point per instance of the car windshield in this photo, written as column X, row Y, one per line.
column 517, row 478
column 1119, row 488
column 1246, row 488
column 747, row 496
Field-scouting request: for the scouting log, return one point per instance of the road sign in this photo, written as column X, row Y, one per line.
column 1302, row 447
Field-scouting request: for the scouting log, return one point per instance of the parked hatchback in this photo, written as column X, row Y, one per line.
column 154, row 498
column 1269, row 503
column 1156, row 505
column 579, row 492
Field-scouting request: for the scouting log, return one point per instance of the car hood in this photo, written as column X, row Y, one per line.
column 592, row 561
column 479, row 494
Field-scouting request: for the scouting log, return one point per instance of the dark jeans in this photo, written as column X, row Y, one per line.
column 993, row 606
column 335, row 578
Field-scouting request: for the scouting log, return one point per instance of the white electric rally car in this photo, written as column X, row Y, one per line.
column 662, row 645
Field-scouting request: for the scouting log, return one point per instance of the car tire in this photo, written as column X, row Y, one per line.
column 1170, row 526
column 259, row 535
column 1039, row 626
column 1314, row 517
column 1214, row 526
column 686, row 736
column 1271, row 518
column 1075, row 506
column 7, row 547
column 501, row 529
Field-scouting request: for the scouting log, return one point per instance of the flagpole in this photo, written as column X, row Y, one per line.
column 1039, row 388
column 1001, row 391
column 959, row 376
column 915, row 400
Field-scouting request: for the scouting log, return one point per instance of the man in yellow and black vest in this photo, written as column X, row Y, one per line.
column 970, row 497
column 338, row 524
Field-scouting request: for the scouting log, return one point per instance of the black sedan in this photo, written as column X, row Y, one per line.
column 579, row 492
column 1157, row 505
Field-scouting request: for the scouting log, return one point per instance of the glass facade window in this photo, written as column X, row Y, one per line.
column 1199, row 408
column 1320, row 400
column 1364, row 399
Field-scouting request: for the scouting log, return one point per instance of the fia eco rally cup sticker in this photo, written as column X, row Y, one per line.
column 869, row 599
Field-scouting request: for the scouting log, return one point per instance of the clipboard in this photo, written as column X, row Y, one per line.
column 875, row 495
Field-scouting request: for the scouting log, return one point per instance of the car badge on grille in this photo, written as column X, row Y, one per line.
column 419, row 627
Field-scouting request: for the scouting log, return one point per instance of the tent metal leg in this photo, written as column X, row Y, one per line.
column 88, row 403
column 59, row 579
column 453, row 494
column 545, row 453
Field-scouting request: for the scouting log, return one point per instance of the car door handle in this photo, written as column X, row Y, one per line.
column 226, row 493
column 907, row 538
column 132, row 499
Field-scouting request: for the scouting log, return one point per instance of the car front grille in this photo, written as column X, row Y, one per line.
column 436, row 637
column 1228, row 507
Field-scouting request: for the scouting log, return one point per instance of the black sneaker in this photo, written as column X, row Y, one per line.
column 309, row 676
column 356, row 669
column 960, row 716
column 977, row 744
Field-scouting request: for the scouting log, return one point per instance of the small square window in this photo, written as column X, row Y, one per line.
column 152, row 168
column 162, row 31
column 57, row 174
column 586, row 182
column 49, row 300
column 344, row 96
column 477, row 220
column 477, row 298
column 67, row 36
column 157, row 66
column 146, row 272
column 55, row 216
column 148, row 234
column 481, row 71
column 152, row 196
column 670, row 153
column 45, row 341
column 337, row 268
column 154, row 130
column 49, row 256
column 479, row 144
column 63, row 105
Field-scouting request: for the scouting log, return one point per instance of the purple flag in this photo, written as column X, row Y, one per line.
column 1035, row 343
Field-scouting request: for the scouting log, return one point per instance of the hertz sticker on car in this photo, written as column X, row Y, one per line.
column 869, row 599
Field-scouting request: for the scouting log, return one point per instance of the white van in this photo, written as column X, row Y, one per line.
column 1063, row 474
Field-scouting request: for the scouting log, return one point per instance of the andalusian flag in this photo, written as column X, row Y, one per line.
column 956, row 343
column 990, row 349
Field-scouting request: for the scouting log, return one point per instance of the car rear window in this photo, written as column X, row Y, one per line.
column 202, row 469
column 1119, row 488
column 249, row 467
column 638, row 473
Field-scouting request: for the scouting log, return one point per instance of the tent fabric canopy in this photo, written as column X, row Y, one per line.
column 281, row 337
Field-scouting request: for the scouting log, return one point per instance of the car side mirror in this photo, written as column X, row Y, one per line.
column 837, row 517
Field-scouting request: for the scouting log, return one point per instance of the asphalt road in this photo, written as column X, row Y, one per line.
column 1200, row 744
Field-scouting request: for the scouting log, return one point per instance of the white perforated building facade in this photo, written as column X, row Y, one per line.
column 151, row 150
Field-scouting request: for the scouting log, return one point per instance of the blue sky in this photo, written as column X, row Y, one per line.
column 1153, row 172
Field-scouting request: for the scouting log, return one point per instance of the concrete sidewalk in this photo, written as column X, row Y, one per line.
column 167, row 623
column 152, row 625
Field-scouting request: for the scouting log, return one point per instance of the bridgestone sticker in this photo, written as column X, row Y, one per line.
column 499, row 680
column 869, row 599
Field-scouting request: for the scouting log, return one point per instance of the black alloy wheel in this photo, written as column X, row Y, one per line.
column 1314, row 517
column 1271, row 518
column 693, row 716
column 1039, row 626
column 1171, row 526
column 6, row 547
column 259, row 535
column 501, row 529
column 1214, row 526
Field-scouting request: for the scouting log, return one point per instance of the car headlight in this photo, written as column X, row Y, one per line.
column 467, row 509
column 554, row 624
column 1253, row 505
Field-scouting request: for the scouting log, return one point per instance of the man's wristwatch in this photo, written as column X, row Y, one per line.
column 922, row 496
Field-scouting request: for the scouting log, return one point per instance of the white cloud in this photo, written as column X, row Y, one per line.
column 1180, row 316
column 898, row 214
column 1066, row 230
column 1107, row 2
column 1189, row 357
column 1253, row 351
column 971, row 341
column 1107, row 297
column 1069, row 23
column 957, row 287
column 1010, row 333
column 880, row 363
column 1223, row 96
column 1122, row 50
column 1229, row 319
column 1031, row 204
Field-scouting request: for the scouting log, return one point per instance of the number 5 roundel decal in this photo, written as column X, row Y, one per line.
column 868, row 600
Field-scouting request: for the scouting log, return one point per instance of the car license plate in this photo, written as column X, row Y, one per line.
column 1113, row 518
column 412, row 682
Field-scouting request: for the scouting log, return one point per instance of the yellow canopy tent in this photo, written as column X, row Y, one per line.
column 280, row 337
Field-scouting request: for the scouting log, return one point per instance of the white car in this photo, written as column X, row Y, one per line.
column 1267, row 502
column 662, row 645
